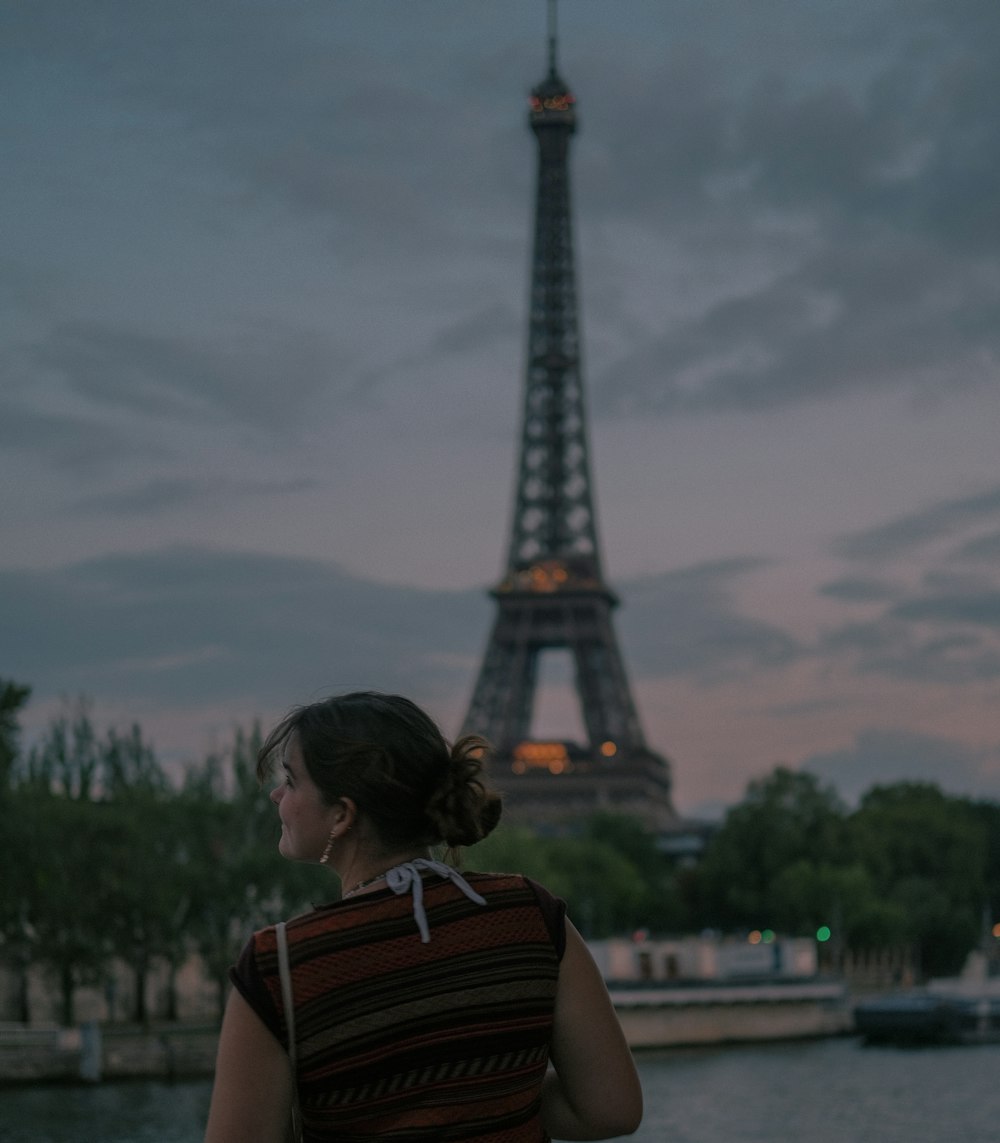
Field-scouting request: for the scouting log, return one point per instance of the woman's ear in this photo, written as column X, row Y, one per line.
column 347, row 813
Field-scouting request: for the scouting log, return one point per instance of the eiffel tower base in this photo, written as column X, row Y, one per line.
column 559, row 802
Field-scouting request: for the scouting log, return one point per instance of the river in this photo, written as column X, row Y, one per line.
column 825, row 1091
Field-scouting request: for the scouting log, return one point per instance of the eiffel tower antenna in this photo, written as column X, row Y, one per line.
column 553, row 595
column 552, row 37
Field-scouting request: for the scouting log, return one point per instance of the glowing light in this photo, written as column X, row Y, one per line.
column 823, row 933
column 549, row 575
column 767, row 936
column 996, row 931
column 608, row 749
column 553, row 102
column 551, row 756
column 755, row 937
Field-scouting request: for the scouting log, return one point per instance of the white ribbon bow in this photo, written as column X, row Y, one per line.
column 406, row 877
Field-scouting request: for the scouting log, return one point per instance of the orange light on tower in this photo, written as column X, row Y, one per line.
column 609, row 749
column 551, row 756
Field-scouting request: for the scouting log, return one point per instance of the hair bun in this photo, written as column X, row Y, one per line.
column 464, row 810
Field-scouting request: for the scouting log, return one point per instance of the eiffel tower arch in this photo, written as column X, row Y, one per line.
column 553, row 596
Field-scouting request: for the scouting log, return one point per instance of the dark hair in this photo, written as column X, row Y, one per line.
column 390, row 758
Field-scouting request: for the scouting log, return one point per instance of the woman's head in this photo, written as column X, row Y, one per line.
column 386, row 755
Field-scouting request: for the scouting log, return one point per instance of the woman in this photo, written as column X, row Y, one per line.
column 426, row 1005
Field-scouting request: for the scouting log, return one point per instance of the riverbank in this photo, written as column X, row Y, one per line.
column 653, row 1017
column 93, row 1053
column 735, row 1013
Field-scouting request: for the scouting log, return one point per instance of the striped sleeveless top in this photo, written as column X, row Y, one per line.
column 446, row 1040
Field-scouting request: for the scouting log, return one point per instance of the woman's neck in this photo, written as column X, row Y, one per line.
column 370, row 875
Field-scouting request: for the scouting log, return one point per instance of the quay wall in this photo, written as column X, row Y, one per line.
column 92, row 1053
column 651, row 1018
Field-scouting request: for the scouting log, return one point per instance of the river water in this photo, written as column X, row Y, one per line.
column 825, row 1091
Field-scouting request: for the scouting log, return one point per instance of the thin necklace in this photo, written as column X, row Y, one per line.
column 364, row 884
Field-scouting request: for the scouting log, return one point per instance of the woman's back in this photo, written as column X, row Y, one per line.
column 441, row 1040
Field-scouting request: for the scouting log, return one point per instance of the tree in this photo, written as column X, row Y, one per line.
column 94, row 876
column 68, row 899
column 602, row 888
column 13, row 697
column 235, row 880
column 927, row 853
column 15, row 941
column 786, row 821
column 141, row 873
column 658, row 905
column 988, row 814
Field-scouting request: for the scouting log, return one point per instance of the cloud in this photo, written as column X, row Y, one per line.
column 261, row 377
column 286, row 100
column 922, row 642
column 168, row 493
column 686, row 622
column 939, row 613
column 867, row 312
column 939, row 619
column 844, row 205
column 187, row 625
column 860, row 589
column 985, row 548
column 815, row 147
column 467, row 338
column 823, row 161
column 979, row 609
column 75, row 442
column 888, row 755
column 906, row 533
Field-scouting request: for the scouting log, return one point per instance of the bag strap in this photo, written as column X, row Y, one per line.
column 285, row 973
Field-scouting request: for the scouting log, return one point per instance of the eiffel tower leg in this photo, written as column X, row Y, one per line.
column 608, row 710
column 503, row 700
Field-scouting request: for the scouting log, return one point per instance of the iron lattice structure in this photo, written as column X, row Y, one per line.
column 553, row 595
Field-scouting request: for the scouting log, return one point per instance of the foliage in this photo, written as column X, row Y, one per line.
column 13, row 696
column 611, row 874
column 565, row 866
column 911, row 867
column 928, row 856
column 761, row 868
column 105, row 857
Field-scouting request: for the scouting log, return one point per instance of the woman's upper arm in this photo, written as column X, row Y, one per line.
column 598, row 1095
column 252, row 1095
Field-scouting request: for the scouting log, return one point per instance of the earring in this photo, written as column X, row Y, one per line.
column 329, row 847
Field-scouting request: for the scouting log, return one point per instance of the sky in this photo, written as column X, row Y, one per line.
column 264, row 273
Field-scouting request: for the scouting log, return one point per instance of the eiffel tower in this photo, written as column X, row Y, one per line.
column 553, row 596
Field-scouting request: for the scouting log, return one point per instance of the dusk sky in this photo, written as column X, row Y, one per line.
column 265, row 270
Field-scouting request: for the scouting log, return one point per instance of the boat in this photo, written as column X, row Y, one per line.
column 959, row 1011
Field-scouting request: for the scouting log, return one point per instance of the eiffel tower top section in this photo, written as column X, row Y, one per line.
column 553, row 540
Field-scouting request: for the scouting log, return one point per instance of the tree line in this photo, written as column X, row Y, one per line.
column 106, row 857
